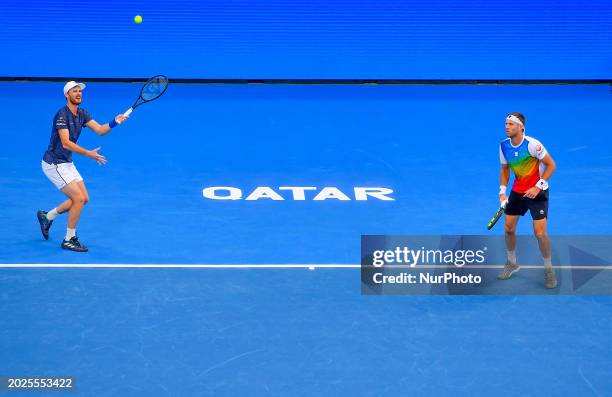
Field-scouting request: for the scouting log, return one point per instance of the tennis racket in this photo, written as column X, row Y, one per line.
column 497, row 215
column 150, row 91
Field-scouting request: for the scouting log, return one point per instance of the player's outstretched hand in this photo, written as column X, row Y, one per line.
column 120, row 118
column 101, row 160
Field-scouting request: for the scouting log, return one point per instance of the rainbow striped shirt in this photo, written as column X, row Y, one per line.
column 525, row 160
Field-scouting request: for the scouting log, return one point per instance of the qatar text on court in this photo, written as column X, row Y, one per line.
column 297, row 193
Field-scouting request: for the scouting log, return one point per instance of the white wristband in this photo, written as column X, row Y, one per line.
column 502, row 189
column 542, row 184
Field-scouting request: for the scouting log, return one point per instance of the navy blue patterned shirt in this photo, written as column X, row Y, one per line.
column 64, row 118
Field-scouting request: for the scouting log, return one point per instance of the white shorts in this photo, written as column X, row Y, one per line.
column 61, row 174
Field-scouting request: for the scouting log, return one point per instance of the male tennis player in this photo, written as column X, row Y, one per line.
column 532, row 167
column 58, row 166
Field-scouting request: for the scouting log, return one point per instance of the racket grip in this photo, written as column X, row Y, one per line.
column 128, row 112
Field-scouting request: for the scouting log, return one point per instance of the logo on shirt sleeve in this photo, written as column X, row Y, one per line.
column 538, row 148
column 60, row 122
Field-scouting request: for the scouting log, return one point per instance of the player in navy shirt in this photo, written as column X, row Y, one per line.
column 58, row 166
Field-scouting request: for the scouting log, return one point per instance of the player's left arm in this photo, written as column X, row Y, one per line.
column 549, row 165
column 105, row 128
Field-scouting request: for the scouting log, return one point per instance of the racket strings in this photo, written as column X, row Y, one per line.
column 154, row 88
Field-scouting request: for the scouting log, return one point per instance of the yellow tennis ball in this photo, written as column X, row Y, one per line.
column 138, row 19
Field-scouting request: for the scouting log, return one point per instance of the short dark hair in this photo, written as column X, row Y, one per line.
column 520, row 117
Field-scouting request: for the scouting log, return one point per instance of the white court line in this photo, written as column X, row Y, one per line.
column 271, row 266
column 173, row 266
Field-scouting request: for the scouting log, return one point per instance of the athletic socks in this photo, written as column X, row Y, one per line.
column 512, row 257
column 70, row 233
column 51, row 215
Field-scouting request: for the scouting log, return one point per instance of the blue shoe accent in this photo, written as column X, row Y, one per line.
column 45, row 224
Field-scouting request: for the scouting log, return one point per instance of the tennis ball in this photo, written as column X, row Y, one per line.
column 138, row 19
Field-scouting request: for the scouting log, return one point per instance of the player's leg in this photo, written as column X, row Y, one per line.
column 516, row 207
column 60, row 175
column 77, row 198
column 539, row 230
column 67, row 205
column 46, row 218
column 81, row 185
column 510, row 234
column 74, row 192
column 539, row 212
column 64, row 207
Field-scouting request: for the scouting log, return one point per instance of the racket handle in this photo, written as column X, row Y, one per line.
column 128, row 112
column 504, row 204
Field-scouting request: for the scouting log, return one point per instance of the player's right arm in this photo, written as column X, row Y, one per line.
column 504, row 176
column 64, row 135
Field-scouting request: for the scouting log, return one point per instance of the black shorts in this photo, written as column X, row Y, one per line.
column 538, row 206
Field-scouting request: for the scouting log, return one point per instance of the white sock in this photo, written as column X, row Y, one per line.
column 547, row 263
column 51, row 215
column 512, row 256
column 70, row 233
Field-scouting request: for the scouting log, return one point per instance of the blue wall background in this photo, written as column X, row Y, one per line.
column 359, row 39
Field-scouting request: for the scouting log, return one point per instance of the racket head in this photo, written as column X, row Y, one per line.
column 152, row 89
column 497, row 215
column 495, row 218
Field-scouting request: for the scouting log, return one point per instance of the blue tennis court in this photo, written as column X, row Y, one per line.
column 275, row 327
column 232, row 233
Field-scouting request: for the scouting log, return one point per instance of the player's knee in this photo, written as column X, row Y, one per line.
column 78, row 199
column 540, row 235
column 510, row 229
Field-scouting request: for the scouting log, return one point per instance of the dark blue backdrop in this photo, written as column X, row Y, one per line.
column 396, row 39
